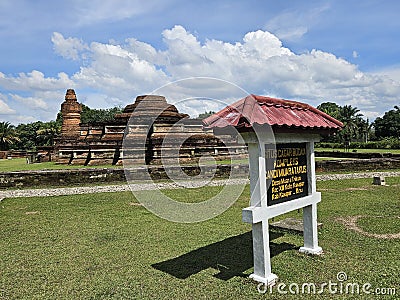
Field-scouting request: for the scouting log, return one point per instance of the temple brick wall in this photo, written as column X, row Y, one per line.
column 153, row 128
column 111, row 175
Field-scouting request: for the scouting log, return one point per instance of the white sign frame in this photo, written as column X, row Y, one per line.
column 259, row 213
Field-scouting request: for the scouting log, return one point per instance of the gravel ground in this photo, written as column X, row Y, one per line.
column 356, row 175
column 152, row 186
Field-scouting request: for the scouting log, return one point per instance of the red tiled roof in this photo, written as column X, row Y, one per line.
column 275, row 112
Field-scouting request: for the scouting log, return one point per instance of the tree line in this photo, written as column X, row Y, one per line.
column 356, row 127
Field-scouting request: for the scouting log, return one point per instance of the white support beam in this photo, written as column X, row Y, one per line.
column 259, row 212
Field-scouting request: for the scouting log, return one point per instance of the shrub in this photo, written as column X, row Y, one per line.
column 386, row 143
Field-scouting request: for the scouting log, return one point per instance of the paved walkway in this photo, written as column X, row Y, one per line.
column 152, row 186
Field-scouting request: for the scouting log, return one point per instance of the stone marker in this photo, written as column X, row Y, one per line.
column 379, row 180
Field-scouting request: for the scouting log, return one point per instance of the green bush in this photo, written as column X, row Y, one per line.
column 328, row 145
column 386, row 143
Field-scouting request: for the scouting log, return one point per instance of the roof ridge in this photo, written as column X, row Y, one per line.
column 272, row 111
column 297, row 104
column 281, row 101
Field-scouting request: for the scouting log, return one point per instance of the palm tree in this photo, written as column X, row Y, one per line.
column 350, row 117
column 8, row 135
column 47, row 133
column 366, row 130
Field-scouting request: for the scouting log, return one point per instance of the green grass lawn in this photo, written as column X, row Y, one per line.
column 106, row 246
column 19, row 164
column 394, row 151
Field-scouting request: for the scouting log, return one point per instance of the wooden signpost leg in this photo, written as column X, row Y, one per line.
column 310, row 230
column 310, row 222
column 262, row 256
column 261, row 251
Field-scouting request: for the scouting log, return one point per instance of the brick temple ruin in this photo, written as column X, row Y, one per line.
column 102, row 143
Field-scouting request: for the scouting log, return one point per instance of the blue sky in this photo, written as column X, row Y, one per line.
column 111, row 51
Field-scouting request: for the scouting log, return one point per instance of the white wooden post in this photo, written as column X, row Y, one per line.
column 310, row 211
column 260, row 230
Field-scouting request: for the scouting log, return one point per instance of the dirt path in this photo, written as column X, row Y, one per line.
column 351, row 223
column 151, row 186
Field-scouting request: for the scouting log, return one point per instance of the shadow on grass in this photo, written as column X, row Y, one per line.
column 231, row 257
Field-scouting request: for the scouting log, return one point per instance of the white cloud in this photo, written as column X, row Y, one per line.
column 96, row 100
column 143, row 51
column 355, row 54
column 260, row 64
column 393, row 73
column 371, row 115
column 34, row 81
column 4, row 108
column 119, row 72
column 235, row 62
column 16, row 119
column 31, row 102
column 292, row 25
column 94, row 11
column 68, row 48
column 23, row 119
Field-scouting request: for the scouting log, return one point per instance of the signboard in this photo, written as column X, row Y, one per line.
column 287, row 174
